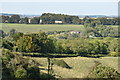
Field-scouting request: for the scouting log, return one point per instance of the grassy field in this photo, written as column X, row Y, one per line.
column 37, row 27
column 81, row 66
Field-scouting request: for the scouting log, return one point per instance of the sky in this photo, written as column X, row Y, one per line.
column 70, row 8
column 59, row 1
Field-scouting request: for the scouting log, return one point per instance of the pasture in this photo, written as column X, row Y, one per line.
column 37, row 27
column 81, row 66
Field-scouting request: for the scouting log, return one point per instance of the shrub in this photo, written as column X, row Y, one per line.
column 100, row 71
column 105, row 72
column 33, row 72
column 21, row 73
column 15, row 66
column 114, row 54
column 6, row 44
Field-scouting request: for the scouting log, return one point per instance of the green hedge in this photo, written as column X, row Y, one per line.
column 49, row 55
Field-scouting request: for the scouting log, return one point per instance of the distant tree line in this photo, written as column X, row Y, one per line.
column 100, row 20
column 49, row 18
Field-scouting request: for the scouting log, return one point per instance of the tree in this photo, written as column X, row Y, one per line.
column 35, row 20
column 113, row 46
column 25, row 44
column 12, row 32
column 15, row 66
column 2, row 34
column 98, row 47
column 26, row 20
column 5, row 19
column 14, row 19
column 33, row 72
column 49, row 18
column 16, row 36
column 37, row 42
column 6, row 44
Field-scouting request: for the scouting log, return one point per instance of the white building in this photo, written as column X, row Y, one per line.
column 29, row 20
column 58, row 22
column 75, row 32
column 40, row 21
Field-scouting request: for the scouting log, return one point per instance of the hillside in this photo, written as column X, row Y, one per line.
column 81, row 66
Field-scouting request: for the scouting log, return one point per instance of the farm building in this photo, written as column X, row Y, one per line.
column 40, row 21
column 29, row 20
column 6, row 21
column 75, row 32
column 58, row 22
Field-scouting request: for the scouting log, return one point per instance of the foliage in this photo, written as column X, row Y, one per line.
column 12, row 32
column 33, row 72
column 49, row 18
column 14, row 19
column 101, row 30
column 35, row 20
column 37, row 42
column 4, row 19
column 6, row 44
column 2, row 34
column 24, row 20
column 113, row 45
column 82, row 46
column 54, row 55
column 16, row 36
column 113, row 54
column 15, row 66
column 101, row 71
column 102, row 21
column 21, row 73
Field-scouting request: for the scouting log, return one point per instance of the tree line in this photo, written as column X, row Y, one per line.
column 41, row 43
column 49, row 18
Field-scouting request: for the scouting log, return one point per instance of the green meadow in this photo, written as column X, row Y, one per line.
column 37, row 27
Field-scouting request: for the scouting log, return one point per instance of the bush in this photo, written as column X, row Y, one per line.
column 61, row 63
column 6, row 44
column 15, row 66
column 105, row 72
column 100, row 71
column 113, row 54
column 33, row 72
column 21, row 73
column 94, row 55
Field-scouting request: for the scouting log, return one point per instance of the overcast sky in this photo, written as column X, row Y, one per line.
column 72, row 8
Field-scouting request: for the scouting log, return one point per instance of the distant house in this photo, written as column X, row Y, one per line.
column 81, row 18
column 40, row 21
column 58, row 22
column 29, row 20
column 90, row 36
column 75, row 32
column 6, row 21
column 110, row 18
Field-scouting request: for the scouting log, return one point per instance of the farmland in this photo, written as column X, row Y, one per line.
column 37, row 27
column 45, row 27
